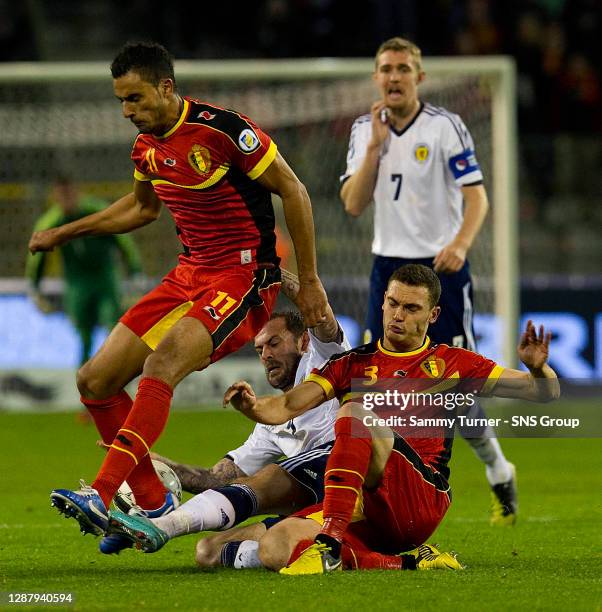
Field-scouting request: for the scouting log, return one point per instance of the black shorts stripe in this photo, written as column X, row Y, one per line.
column 308, row 468
column 435, row 478
column 263, row 279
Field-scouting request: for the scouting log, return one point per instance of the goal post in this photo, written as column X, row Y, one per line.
column 57, row 114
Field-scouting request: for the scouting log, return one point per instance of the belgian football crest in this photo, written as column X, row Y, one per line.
column 199, row 159
column 433, row 367
column 421, row 152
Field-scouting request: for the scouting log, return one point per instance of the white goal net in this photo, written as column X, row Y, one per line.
column 64, row 118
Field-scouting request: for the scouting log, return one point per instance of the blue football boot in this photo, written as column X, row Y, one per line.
column 84, row 505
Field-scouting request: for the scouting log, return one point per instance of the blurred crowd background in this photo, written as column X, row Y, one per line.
column 556, row 45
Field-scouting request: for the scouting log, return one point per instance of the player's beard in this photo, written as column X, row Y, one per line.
column 284, row 377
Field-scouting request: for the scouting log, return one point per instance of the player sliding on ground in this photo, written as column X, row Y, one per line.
column 386, row 492
column 263, row 482
column 215, row 170
column 288, row 352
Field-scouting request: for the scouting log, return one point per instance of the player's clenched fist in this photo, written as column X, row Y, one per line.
column 241, row 396
column 312, row 302
column 380, row 122
column 45, row 240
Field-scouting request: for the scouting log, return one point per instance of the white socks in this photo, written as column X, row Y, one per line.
column 489, row 451
column 209, row 510
column 247, row 556
column 174, row 524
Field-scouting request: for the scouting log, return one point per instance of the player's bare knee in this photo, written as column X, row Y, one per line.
column 92, row 384
column 154, row 363
column 208, row 552
column 273, row 551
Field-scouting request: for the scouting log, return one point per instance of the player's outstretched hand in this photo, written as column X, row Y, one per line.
column 45, row 240
column 533, row 348
column 241, row 396
column 312, row 302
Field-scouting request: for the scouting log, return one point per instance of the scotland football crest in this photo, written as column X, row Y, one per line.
column 421, row 152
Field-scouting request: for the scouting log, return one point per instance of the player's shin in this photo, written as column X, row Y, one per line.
column 144, row 424
column 345, row 472
column 487, row 448
column 211, row 510
column 109, row 415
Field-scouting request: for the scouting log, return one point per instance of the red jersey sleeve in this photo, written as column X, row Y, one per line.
column 479, row 370
column 250, row 149
column 143, row 158
column 332, row 377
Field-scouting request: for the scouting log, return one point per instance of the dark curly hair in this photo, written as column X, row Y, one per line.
column 150, row 60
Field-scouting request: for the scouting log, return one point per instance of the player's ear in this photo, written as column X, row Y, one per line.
column 420, row 77
column 435, row 312
column 166, row 86
column 304, row 341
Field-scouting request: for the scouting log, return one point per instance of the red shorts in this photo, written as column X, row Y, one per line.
column 233, row 304
column 403, row 511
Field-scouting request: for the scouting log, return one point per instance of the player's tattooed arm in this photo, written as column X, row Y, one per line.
column 290, row 284
column 196, row 479
column 328, row 330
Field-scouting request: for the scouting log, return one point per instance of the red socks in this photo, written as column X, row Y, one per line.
column 345, row 472
column 131, row 444
column 109, row 414
column 359, row 557
column 366, row 559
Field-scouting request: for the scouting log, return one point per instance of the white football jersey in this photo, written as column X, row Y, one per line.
column 418, row 205
column 268, row 443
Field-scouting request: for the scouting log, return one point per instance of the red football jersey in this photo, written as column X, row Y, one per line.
column 429, row 369
column 204, row 171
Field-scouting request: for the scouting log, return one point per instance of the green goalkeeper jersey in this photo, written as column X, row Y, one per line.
column 91, row 260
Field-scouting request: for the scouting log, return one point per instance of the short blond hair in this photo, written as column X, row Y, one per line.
column 400, row 44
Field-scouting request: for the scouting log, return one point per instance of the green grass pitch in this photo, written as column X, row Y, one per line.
column 549, row 561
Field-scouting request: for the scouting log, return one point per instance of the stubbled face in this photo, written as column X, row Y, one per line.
column 407, row 313
column 279, row 353
column 143, row 103
column 397, row 80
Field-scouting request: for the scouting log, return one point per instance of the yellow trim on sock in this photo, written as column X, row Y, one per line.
column 344, row 470
column 139, row 438
column 356, row 491
column 125, row 451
